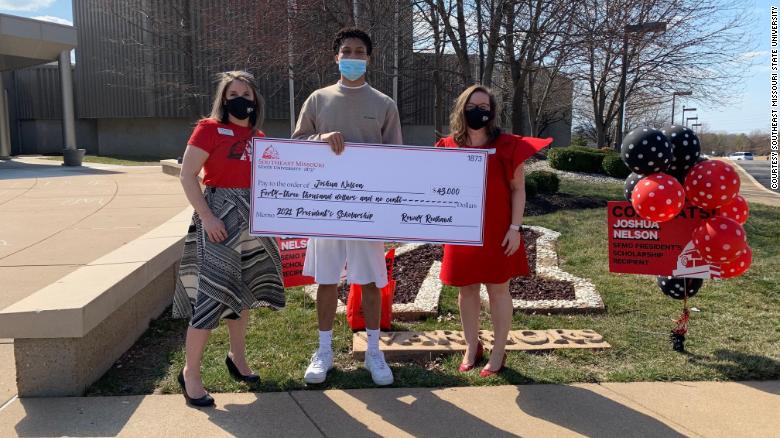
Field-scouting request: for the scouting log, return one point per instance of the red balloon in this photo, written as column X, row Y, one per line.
column 736, row 209
column 720, row 239
column 738, row 266
column 711, row 184
column 658, row 197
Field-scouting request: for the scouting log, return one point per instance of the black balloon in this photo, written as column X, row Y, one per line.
column 646, row 151
column 686, row 149
column 676, row 287
column 628, row 186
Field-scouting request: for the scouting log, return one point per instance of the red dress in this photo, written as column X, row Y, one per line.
column 465, row 265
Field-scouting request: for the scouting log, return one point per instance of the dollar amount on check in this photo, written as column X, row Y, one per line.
column 369, row 192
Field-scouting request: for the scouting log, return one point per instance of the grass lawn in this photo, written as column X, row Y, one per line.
column 735, row 336
column 125, row 161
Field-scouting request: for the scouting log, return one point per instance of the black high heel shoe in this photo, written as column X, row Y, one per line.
column 252, row 379
column 205, row 401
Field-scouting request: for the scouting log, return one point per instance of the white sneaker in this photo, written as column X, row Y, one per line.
column 380, row 372
column 318, row 368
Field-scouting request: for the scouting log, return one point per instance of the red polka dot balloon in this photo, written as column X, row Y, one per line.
column 720, row 239
column 711, row 184
column 658, row 197
column 737, row 209
column 738, row 266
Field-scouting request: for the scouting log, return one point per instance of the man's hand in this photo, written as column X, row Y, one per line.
column 335, row 140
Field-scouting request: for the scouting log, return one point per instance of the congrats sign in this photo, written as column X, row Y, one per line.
column 369, row 192
column 641, row 246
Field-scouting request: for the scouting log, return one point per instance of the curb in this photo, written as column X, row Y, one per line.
column 743, row 172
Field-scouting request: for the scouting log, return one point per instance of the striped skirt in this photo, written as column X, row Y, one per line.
column 219, row 280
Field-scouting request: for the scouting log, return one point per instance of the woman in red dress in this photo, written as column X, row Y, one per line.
column 502, row 256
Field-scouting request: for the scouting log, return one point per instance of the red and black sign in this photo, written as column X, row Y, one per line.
column 641, row 246
column 293, row 252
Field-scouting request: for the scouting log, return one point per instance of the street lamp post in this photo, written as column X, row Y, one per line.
column 690, row 118
column 695, row 125
column 675, row 94
column 654, row 26
column 682, row 119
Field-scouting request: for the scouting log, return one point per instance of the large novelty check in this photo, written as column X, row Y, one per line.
column 369, row 192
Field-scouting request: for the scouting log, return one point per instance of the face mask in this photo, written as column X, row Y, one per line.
column 478, row 118
column 240, row 107
column 352, row 69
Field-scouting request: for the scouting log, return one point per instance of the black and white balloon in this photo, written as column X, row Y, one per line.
column 628, row 186
column 678, row 287
column 646, row 151
column 686, row 149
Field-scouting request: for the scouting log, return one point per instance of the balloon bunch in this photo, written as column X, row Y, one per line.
column 668, row 172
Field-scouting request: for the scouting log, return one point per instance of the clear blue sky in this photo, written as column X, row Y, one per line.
column 750, row 110
column 51, row 9
column 747, row 112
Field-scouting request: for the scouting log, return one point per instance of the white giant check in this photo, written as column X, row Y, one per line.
column 369, row 192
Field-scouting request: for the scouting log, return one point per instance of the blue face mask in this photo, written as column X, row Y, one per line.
column 352, row 69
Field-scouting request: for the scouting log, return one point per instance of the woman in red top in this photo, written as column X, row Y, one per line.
column 224, row 271
column 502, row 256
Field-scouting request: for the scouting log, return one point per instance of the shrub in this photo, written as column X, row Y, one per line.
column 561, row 159
column 546, row 182
column 579, row 141
column 575, row 159
column 530, row 187
column 587, row 150
column 614, row 166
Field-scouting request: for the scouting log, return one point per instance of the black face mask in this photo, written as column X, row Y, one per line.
column 240, row 107
column 478, row 118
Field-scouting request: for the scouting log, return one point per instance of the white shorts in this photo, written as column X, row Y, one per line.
column 364, row 259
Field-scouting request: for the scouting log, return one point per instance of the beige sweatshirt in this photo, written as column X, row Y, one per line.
column 362, row 115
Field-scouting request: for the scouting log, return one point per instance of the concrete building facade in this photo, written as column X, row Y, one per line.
column 142, row 80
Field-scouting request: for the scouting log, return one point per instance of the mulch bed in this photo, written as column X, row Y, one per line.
column 533, row 288
column 545, row 204
column 409, row 272
column 411, row 268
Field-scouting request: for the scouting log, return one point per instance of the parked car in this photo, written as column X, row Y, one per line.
column 738, row 156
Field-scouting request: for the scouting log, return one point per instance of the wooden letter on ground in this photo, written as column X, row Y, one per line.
column 423, row 345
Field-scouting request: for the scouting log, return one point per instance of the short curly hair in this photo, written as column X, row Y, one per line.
column 352, row 32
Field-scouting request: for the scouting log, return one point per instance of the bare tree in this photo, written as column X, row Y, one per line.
column 536, row 49
column 697, row 52
column 431, row 42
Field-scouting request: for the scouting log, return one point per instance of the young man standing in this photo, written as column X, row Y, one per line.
column 348, row 111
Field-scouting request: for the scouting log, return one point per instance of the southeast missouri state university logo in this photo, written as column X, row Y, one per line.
column 270, row 153
column 691, row 264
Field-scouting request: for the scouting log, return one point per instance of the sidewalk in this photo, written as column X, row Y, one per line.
column 705, row 409
column 55, row 219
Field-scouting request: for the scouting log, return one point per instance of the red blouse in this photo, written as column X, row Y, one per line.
column 230, row 152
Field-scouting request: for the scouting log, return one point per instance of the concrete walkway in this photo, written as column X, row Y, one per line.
column 55, row 219
column 700, row 409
